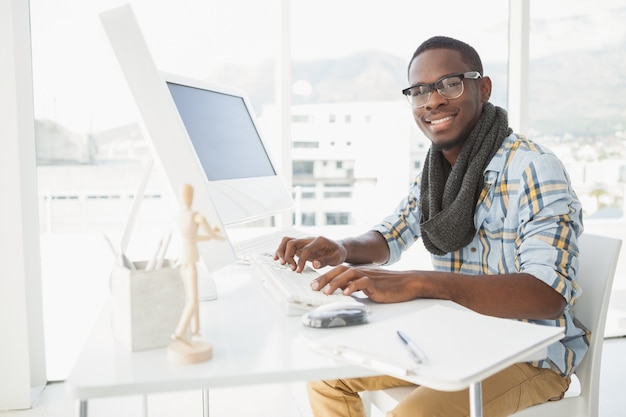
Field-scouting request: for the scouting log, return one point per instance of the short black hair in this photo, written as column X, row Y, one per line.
column 468, row 53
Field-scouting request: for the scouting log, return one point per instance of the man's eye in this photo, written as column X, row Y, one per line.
column 451, row 83
column 419, row 91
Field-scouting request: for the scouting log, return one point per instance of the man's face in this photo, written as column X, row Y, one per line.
column 447, row 123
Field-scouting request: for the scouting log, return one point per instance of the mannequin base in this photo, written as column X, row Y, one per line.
column 184, row 353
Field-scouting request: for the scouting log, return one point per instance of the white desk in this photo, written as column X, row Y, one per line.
column 253, row 343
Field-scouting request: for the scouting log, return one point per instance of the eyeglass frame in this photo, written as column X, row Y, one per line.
column 470, row 75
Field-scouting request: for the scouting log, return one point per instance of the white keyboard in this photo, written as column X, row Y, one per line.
column 247, row 249
column 293, row 289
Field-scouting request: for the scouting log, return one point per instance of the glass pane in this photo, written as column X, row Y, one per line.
column 576, row 107
column 349, row 66
column 91, row 152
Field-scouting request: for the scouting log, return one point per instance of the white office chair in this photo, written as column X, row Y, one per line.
column 598, row 259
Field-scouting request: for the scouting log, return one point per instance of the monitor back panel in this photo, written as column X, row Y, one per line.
column 164, row 129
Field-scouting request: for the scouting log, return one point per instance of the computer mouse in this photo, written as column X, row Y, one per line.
column 336, row 314
column 339, row 305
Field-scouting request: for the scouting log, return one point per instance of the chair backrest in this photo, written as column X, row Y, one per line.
column 598, row 260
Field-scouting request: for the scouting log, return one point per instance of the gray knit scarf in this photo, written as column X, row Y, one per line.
column 449, row 194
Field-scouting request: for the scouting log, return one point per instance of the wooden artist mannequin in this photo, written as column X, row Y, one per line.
column 183, row 349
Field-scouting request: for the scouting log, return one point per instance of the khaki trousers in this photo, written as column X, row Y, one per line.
column 517, row 387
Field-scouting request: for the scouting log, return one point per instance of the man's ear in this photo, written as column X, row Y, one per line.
column 485, row 89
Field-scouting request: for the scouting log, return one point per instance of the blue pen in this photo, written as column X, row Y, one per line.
column 416, row 352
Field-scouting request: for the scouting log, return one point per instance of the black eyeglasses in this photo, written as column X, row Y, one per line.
column 449, row 87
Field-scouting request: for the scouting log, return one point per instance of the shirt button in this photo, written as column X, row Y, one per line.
column 473, row 249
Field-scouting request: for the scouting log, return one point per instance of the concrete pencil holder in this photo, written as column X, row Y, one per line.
column 147, row 305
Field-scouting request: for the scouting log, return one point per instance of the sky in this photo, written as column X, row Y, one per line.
column 77, row 80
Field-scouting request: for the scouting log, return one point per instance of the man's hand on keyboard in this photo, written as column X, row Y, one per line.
column 320, row 251
column 366, row 249
column 380, row 285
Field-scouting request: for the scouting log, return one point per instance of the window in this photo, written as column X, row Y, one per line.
column 579, row 114
column 333, row 190
column 307, row 219
column 304, row 191
column 337, row 218
column 359, row 79
column 306, row 144
column 303, row 168
column 92, row 153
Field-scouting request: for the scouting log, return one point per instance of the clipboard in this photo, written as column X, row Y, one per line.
column 461, row 346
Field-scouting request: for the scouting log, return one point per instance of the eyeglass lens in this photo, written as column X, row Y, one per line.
column 449, row 88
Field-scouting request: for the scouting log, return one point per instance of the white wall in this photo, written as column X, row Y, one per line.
column 22, row 359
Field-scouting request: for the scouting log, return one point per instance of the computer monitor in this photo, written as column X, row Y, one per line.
column 200, row 134
column 222, row 130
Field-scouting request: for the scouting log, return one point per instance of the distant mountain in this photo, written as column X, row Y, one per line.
column 576, row 92
column 582, row 93
column 56, row 144
column 365, row 76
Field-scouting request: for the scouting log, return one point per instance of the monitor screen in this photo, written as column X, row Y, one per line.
column 222, row 132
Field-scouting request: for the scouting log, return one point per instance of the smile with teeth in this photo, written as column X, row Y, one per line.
column 439, row 121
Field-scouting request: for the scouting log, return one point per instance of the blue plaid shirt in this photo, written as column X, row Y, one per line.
column 528, row 219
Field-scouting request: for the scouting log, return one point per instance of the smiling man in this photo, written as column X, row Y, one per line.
column 499, row 216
